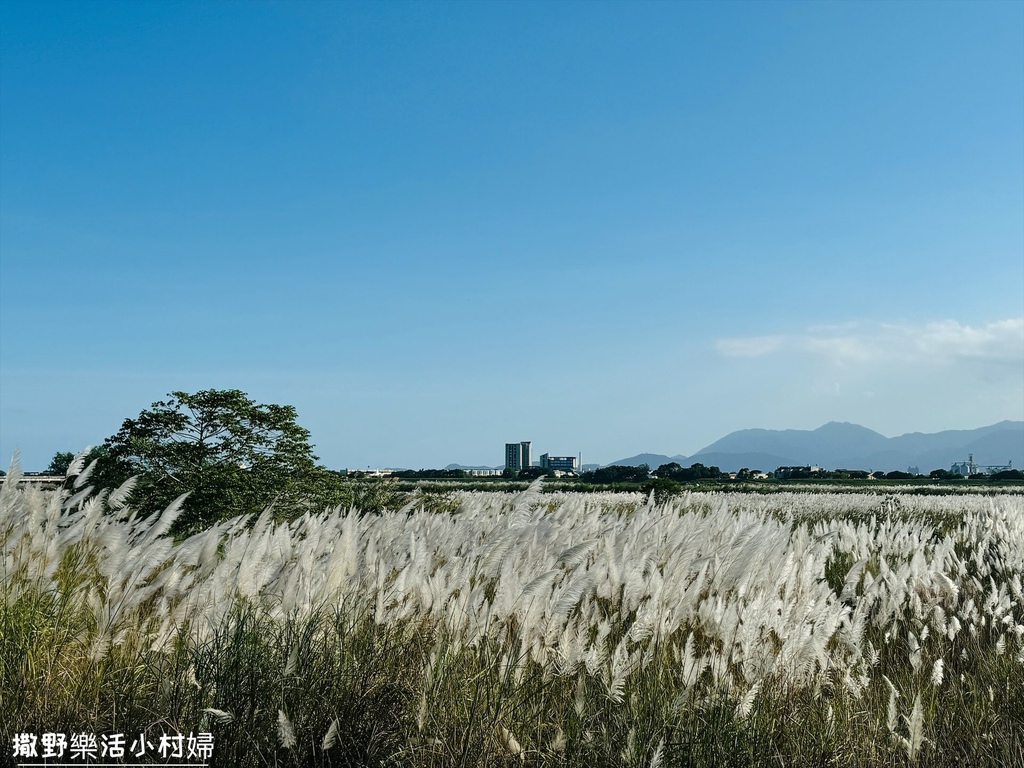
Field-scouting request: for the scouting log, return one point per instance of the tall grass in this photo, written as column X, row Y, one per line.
column 528, row 629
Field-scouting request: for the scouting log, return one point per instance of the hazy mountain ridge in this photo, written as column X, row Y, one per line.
column 850, row 446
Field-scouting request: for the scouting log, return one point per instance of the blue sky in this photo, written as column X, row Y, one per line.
column 436, row 227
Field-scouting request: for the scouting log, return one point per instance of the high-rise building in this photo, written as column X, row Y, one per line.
column 517, row 455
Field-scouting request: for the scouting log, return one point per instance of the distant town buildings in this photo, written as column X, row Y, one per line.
column 369, row 472
column 517, row 455
column 806, row 471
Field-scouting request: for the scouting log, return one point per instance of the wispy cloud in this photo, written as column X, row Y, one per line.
column 750, row 346
column 940, row 342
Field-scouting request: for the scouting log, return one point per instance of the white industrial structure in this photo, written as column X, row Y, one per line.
column 968, row 468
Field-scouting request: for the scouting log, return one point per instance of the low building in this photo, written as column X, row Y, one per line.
column 804, row 471
column 558, row 463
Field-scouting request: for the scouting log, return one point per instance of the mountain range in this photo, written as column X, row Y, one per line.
column 841, row 445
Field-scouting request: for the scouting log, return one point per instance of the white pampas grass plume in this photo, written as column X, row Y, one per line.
column 954, row 627
column 421, row 715
column 659, row 753
column 915, row 724
column 541, row 585
column 576, row 554
column 285, row 731
column 84, row 476
column 219, row 715
column 558, row 743
column 937, row 673
column 75, row 467
column 293, row 661
column 511, row 744
column 891, row 718
column 331, row 737
column 743, row 710
column 120, row 496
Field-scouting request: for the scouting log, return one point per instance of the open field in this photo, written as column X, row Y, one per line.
column 527, row 629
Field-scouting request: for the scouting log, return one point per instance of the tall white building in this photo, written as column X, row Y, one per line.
column 517, row 455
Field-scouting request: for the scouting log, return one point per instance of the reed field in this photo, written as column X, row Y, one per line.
column 530, row 628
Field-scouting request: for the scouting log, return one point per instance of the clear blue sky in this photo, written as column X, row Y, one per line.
column 437, row 227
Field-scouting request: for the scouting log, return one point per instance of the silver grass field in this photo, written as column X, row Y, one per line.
column 738, row 629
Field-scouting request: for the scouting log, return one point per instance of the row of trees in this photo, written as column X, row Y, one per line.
column 679, row 474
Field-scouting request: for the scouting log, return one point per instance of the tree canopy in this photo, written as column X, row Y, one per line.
column 697, row 471
column 62, row 460
column 616, row 473
column 230, row 454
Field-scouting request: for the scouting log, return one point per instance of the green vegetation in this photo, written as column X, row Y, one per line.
column 486, row 629
column 229, row 454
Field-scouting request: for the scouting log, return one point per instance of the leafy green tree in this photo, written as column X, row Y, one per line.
column 62, row 460
column 616, row 473
column 231, row 455
column 1007, row 474
column 697, row 471
column 670, row 470
column 897, row 475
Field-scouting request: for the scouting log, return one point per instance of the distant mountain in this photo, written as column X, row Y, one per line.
column 841, row 445
column 652, row 460
column 829, row 446
column 463, row 466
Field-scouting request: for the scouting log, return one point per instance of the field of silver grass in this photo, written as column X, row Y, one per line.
column 539, row 629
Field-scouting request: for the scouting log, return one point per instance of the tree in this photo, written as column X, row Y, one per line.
column 897, row 475
column 616, row 473
column 231, row 455
column 1007, row 474
column 696, row 471
column 62, row 460
column 532, row 473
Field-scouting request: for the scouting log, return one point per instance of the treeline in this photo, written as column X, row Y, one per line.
column 428, row 474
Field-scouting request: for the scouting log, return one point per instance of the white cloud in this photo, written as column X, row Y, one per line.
column 936, row 343
column 750, row 346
